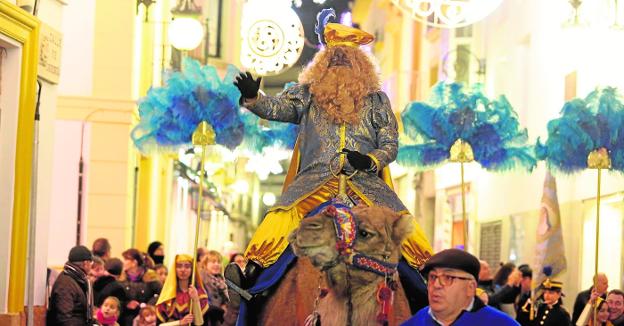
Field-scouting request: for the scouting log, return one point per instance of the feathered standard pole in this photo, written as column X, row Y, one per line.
column 193, row 107
column 598, row 160
column 461, row 124
column 588, row 135
column 203, row 136
column 461, row 152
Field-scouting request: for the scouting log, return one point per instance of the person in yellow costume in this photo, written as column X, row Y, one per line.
column 338, row 106
column 180, row 302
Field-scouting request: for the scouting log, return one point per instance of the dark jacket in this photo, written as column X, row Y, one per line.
column 522, row 309
column 619, row 321
column 108, row 286
column 579, row 304
column 69, row 304
column 555, row 316
column 144, row 290
column 497, row 296
column 544, row 315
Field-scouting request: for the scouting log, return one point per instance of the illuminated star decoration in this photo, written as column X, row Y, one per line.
column 593, row 123
column 169, row 114
column 272, row 36
column 490, row 126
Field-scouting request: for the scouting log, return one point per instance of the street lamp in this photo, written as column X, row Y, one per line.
column 185, row 31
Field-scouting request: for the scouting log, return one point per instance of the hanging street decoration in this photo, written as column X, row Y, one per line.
column 462, row 125
column 272, row 36
column 447, row 13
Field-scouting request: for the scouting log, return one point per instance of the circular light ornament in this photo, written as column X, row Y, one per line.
column 268, row 199
column 272, row 36
column 185, row 33
column 241, row 186
column 447, row 13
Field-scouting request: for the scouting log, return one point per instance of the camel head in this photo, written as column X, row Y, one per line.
column 378, row 235
column 315, row 238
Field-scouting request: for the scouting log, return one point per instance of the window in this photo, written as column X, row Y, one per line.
column 454, row 198
column 490, row 249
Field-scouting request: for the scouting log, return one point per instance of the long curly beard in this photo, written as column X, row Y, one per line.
column 340, row 90
column 338, row 95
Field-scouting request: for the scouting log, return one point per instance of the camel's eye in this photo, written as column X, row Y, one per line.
column 314, row 225
column 365, row 234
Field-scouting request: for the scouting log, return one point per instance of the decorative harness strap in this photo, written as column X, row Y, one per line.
column 346, row 234
column 373, row 265
column 345, row 227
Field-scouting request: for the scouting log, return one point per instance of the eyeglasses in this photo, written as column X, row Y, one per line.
column 445, row 279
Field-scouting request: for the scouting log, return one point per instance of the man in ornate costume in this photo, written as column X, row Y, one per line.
column 338, row 106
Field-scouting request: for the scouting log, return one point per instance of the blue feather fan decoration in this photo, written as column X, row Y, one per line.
column 261, row 134
column 585, row 125
column 490, row 126
column 169, row 114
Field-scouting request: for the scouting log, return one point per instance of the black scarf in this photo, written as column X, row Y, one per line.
column 75, row 272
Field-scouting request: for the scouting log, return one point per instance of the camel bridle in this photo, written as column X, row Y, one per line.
column 346, row 230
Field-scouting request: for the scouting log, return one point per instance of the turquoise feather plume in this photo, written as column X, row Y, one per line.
column 169, row 114
column 490, row 126
column 594, row 122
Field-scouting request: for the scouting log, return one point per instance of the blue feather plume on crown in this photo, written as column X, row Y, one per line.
column 322, row 19
column 169, row 114
column 261, row 134
column 585, row 125
column 490, row 126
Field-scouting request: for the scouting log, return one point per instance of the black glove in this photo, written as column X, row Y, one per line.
column 359, row 160
column 247, row 86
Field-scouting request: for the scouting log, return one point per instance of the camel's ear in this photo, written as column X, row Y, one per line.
column 402, row 227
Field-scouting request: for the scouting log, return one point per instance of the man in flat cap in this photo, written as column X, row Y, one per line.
column 71, row 300
column 452, row 283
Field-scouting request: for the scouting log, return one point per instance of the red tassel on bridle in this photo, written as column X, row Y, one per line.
column 385, row 297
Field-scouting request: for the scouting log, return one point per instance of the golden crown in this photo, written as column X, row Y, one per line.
column 341, row 35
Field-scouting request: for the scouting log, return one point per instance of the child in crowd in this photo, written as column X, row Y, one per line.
column 97, row 269
column 161, row 271
column 109, row 312
column 146, row 317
